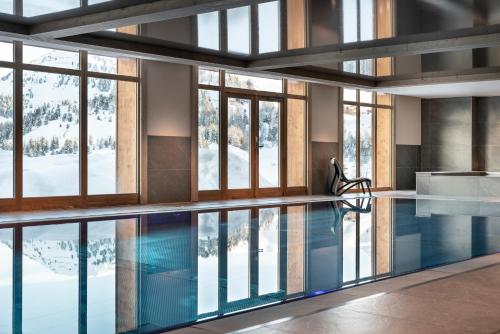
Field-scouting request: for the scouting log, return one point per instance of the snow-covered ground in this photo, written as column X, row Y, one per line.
column 58, row 175
column 239, row 167
column 6, row 174
column 51, row 116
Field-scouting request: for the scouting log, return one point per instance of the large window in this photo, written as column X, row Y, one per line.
column 365, row 20
column 238, row 30
column 208, row 30
column 252, row 130
column 366, row 117
column 112, row 137
column 6, row 133
column 367, row 136
column 269, row 27
column 64, row 112
column 254, row 29
column 51, row 145
column 36, row 7
column 208, row 140
column 240, row 130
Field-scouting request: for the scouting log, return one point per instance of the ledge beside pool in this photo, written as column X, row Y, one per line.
column 458, row 183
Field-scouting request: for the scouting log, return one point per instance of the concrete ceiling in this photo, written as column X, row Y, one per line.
column 446, row 90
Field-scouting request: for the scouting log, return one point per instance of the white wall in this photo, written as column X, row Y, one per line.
column 408, row 120
column 324, row 113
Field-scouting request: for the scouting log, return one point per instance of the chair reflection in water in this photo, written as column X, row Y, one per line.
column 342, row 208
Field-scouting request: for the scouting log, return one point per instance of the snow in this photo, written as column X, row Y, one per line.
column 6, row 174
column 51, row 175
column 239, row 171
column 102, row 172
column 56, row 173
column 269, row 167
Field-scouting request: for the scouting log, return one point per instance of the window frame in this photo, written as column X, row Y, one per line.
column 83, row 199
column 375, row 106
column 223, row 90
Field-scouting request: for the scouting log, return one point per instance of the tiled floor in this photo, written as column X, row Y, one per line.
column 458, row 298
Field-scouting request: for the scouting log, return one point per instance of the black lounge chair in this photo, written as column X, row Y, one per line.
column 339, row 177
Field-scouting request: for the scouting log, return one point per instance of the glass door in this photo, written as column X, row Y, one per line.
column 251, row 146
column 269, row 152
column 238, row 143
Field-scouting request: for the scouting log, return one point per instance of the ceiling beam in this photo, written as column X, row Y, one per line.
column 11, row 27
column 416, row 44
column 151, row 49
column 439, row 77
column 124, row 13
column 326, row 77
column 119, row 44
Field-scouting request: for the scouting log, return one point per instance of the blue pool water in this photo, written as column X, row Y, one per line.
column 150, row 273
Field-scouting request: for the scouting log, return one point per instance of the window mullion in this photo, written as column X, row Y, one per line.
column 18, row 121
column 83, row 124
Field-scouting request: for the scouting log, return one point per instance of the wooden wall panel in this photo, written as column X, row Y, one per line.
column 385, row 29
column 126, row 141
column 296, row 24
column 296, row 143
column 296, row 87
column 127, row 66
column 385, row 20
column 384, row 148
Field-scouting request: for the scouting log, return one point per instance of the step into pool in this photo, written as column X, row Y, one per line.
column 149, row 273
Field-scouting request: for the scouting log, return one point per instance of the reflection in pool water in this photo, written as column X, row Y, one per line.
column 154, row 272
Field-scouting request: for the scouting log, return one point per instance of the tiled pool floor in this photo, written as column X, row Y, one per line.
column 458, row 298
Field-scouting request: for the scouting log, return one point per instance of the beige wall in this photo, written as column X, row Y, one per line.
column 408, row 120
column 168, row 99
column 324, row 113
column 168, row 86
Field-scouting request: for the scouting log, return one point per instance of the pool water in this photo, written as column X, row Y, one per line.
column 153, row 272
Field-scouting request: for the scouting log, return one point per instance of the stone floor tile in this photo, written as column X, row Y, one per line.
column 347, row 321
column 396, row 283
column 279, row 312
column 447, row 314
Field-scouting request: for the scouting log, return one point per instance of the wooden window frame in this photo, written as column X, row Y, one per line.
column 197, row 195
column 255, row 96
column 82, row 200
column 374, row 106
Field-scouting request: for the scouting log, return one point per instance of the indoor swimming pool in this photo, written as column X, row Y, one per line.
column 149, row 273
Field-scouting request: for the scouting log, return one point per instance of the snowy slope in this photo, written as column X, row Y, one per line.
column 239, row 162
